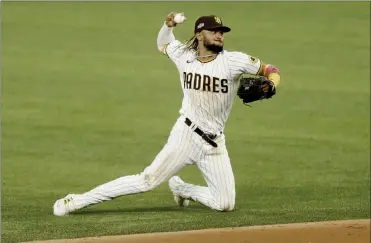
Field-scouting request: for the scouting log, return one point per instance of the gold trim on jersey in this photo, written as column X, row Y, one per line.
column 260, row 68
column 208, row 59
column 163, row 51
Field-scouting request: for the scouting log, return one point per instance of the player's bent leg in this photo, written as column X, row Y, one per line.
column 173, row 157
column 217, row 170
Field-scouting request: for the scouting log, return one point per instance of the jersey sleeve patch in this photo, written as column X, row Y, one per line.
column 253, row 59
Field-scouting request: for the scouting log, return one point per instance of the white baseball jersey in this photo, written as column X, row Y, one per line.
column 209, row 88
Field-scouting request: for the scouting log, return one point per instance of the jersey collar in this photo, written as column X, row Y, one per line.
column 208, row 59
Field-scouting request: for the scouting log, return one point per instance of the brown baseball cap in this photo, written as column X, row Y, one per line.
column 210, row 22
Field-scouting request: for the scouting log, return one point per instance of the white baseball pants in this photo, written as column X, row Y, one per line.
column 184, row 147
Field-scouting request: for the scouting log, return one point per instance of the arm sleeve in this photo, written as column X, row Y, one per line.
column 164, row 37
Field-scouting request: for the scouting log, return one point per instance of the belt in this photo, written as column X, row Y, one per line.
column 207, row 137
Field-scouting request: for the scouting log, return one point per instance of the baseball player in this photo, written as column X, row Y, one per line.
column 209, row 77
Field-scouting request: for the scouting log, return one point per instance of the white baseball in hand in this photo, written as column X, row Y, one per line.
column 179, row 18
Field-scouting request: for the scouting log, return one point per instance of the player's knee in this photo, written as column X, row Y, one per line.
column 225, row 204
column 150, row 181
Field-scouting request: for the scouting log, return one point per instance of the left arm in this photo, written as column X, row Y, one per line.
column 270, row 72
column 241, row 63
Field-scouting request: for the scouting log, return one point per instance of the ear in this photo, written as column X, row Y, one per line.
column 199, row 36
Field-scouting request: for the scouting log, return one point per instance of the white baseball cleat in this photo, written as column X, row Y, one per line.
column 64, row 205
column 173, row 184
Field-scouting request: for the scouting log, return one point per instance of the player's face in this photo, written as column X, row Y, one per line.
column 213, row 40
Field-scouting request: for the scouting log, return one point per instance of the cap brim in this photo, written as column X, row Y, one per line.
column 222, row 28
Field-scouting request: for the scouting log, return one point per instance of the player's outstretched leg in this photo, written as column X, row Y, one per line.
column 216, row 168
column 174, row 156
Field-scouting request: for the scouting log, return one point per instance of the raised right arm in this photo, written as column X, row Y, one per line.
column 165, row 35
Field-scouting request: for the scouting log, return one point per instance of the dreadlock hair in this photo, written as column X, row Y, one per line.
column 191, row 44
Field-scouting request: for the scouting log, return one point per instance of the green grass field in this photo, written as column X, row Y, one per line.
column 87, row 98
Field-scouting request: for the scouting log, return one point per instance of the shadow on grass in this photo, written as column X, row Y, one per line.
column 197, row 208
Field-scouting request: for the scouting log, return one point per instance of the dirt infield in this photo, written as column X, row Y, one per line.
column 347, row 231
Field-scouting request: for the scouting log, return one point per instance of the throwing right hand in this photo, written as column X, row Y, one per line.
column 174, row 18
